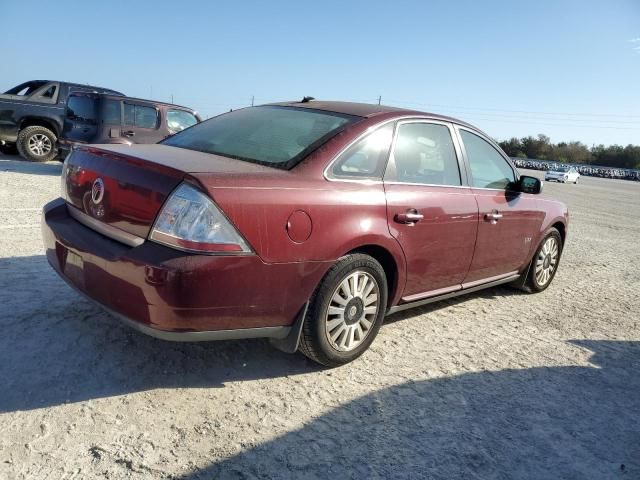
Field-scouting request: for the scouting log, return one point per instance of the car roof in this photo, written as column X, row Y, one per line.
column 366, row 110
column 79, row 85
column 145, row 100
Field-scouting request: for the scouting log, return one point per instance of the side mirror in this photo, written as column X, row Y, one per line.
column 530, row 184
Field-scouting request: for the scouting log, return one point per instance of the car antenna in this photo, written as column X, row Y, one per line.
column 307, row 99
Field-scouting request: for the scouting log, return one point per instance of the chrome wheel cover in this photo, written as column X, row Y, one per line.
column 39, row 144
column 546, row 261
column 352, row 311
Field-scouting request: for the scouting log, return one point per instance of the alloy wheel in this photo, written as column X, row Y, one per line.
column 39, row 144
column 352, row 311
column 546, row 261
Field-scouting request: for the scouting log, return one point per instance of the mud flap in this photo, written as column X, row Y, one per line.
column 289, row 344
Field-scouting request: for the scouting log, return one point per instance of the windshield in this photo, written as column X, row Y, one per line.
column 269, row 135
column 562, row 169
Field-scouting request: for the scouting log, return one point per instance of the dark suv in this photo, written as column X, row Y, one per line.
column 108, row 118
column 41, row 117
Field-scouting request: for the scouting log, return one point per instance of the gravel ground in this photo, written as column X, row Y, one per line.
column 493, row 385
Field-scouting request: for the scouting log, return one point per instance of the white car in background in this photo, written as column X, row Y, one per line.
column 563, row 174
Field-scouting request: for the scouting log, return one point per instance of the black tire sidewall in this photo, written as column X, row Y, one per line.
column 23, row 148
column 315, row 322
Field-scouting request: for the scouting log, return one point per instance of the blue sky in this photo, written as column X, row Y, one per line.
column 569, row 69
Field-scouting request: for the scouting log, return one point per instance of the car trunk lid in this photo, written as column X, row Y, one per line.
column 125, row 186
column 122, row 191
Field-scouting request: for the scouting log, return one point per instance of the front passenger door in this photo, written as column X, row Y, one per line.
column 508, row 219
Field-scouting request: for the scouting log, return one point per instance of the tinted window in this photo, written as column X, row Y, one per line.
column 111, row 112
column 82, row 109
column 178, row 120
column 270, row 135
column 488, row 168
column 424, row 153
column 140, row 116
column 367, row 157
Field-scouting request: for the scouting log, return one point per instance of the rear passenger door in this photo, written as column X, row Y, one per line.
column 508, row 219
column 430, row 210
column 141, row 123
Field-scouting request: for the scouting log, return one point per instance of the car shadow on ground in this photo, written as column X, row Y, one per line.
column 13, row 163
column 569, row 422
column 57, row 347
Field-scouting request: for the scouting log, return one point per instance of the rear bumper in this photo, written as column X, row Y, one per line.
column 174, row 295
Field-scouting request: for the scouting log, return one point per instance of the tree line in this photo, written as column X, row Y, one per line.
column 541, row 148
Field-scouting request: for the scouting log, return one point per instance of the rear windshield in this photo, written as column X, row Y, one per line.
column 269, row 135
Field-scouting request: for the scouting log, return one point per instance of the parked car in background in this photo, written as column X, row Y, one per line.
column 43, row 119
column 32, row 116
column 105, row 118
column 562, row 174
column 305, row 222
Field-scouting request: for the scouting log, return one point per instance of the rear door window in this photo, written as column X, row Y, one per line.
column 140, row 116
column 178, row 120
column 424, row 153
column 82, row 108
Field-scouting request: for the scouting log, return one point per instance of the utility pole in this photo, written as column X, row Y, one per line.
column 172, row 98
column 379, row 99
column 252, row 99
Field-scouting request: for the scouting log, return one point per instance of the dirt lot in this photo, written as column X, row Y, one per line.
column 494, row 385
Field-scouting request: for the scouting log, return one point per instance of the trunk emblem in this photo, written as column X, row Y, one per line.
column 97, row 191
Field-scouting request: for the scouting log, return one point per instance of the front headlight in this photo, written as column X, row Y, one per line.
column 190, row 221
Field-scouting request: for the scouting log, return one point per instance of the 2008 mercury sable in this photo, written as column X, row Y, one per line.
column 305, row 222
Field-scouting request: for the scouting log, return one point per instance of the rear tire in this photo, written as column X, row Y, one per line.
column 345, row 312
column 37, row 144
column 544, row 264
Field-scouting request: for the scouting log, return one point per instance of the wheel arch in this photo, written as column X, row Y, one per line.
column 561, row 227
column 40, row 122
column 389, row 265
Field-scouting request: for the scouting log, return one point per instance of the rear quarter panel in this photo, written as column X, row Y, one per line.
column 344, row 216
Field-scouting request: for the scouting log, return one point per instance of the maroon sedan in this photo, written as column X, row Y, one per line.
column 305, row 222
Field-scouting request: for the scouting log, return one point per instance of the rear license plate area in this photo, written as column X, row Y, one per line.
column 74, row 268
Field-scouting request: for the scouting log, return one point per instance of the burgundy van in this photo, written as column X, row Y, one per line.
column 304, row 222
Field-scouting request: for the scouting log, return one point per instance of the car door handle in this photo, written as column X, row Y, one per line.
column 129, row 133
column 493, row 217
column 409, row 217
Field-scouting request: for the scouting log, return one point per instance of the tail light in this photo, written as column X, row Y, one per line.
column 190, row 221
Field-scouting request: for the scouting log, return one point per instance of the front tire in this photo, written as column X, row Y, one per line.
column 37, row 144
column 346, row 311
column 544, row 264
